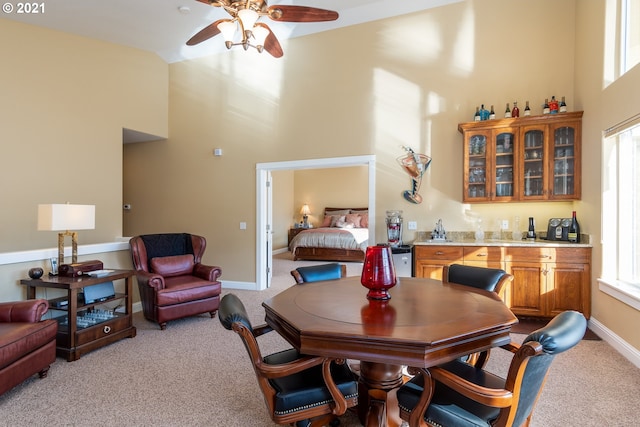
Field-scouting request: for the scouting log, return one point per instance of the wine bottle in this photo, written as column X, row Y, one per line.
column 574, row 230
column 492, row 114
column 563, row 106
column 531, row 233
column 553, row 105
column 545, row 107
column 507, row 112
column 476, row 117
column 527, row 110
column 516, row 111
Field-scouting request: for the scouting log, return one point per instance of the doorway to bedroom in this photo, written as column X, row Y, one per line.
column 264, row 204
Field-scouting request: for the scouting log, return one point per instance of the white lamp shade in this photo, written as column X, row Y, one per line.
column 228, row 29
column 66, row 217
column 248, row 18
column 305, row 210
column 260, row 33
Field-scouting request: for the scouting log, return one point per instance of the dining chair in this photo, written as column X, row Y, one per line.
column 316, row 273
column 488, row 279
column 310, row 391
column 457, row 393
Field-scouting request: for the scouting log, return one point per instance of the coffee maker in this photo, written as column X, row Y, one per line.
column 394, row 228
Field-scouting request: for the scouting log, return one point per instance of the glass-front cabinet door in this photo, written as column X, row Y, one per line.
column 503, row 180
column 565, row 149
column 535, row 158
column 533, row 161
column 476, row 167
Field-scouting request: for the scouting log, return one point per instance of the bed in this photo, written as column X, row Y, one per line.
column 343, row 236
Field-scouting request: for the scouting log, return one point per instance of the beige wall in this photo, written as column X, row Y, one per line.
column 605, row 105
column 337, row 187
column 413, row 80
column 65, row 100
column 361, row 90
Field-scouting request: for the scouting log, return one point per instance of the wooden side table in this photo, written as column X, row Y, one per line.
column 293, row 232
column 108, row 326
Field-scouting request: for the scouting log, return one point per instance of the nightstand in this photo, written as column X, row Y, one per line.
column 293, row 232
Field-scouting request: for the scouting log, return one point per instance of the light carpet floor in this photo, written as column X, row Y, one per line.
column 196, row 373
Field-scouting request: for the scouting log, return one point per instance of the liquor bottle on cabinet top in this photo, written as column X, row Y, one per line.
column 484, row 113
column 492, row 114
column 545, row 107
column 507, row 112
column 574, row 229
column 553, row 105
column 527, row 110
column 563, row 106
column 516, row 111
column 476, row 117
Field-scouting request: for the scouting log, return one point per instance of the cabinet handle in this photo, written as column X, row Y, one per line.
column 479, row 255
column 439, row 253
column 106, row 329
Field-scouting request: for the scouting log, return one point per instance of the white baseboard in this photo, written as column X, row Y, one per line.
column 245, row 286
column 620, row 345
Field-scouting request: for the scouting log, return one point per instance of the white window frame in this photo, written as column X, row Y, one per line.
column 629, row 35
column 621, row 212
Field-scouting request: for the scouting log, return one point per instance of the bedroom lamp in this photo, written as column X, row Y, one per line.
column 305, row 211
column 58, row 217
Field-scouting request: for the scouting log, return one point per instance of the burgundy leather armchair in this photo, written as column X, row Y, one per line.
column 173, row 282
column 27, row 344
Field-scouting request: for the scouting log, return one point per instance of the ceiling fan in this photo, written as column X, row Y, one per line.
column 245, row 15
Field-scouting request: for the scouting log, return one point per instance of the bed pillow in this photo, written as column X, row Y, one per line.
column 364, row 220
column 337, row 212
column 335, row 219
column 353, row 219
column 344, row 224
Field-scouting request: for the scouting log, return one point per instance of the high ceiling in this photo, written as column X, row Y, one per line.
column 160, row 26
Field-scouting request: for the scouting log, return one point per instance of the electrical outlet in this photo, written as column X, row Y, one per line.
column 505, row 224
column 412, row 225
column 243, row 226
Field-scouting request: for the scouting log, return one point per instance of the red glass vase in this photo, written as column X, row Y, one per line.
column 378, row 272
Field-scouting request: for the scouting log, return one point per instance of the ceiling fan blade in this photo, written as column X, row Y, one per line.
column 300, row 14
column 206, row 33
column 271, row 43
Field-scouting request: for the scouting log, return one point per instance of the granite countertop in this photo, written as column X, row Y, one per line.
column 467, row 239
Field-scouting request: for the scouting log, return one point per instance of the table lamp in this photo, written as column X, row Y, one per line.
column 58, row 217
column 305, row 211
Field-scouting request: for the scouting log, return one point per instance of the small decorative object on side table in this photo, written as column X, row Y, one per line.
column 85, row 327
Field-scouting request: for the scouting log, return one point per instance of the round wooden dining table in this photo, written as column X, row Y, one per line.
column 425, row 323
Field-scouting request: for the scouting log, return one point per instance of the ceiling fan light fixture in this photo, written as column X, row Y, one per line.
column 248, row 17
column 260, row 35
column 228, row 29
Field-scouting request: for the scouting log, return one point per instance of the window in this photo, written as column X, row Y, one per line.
column 621, row 209
column 622, row 38
column 630, row 35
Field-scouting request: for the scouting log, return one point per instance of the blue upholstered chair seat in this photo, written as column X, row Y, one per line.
column 307, row 389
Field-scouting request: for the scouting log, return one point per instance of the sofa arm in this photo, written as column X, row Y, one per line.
column 151, row 280
column 207, row 272
column 23, row 311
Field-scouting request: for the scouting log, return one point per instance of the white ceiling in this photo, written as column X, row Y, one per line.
column 158, row 25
